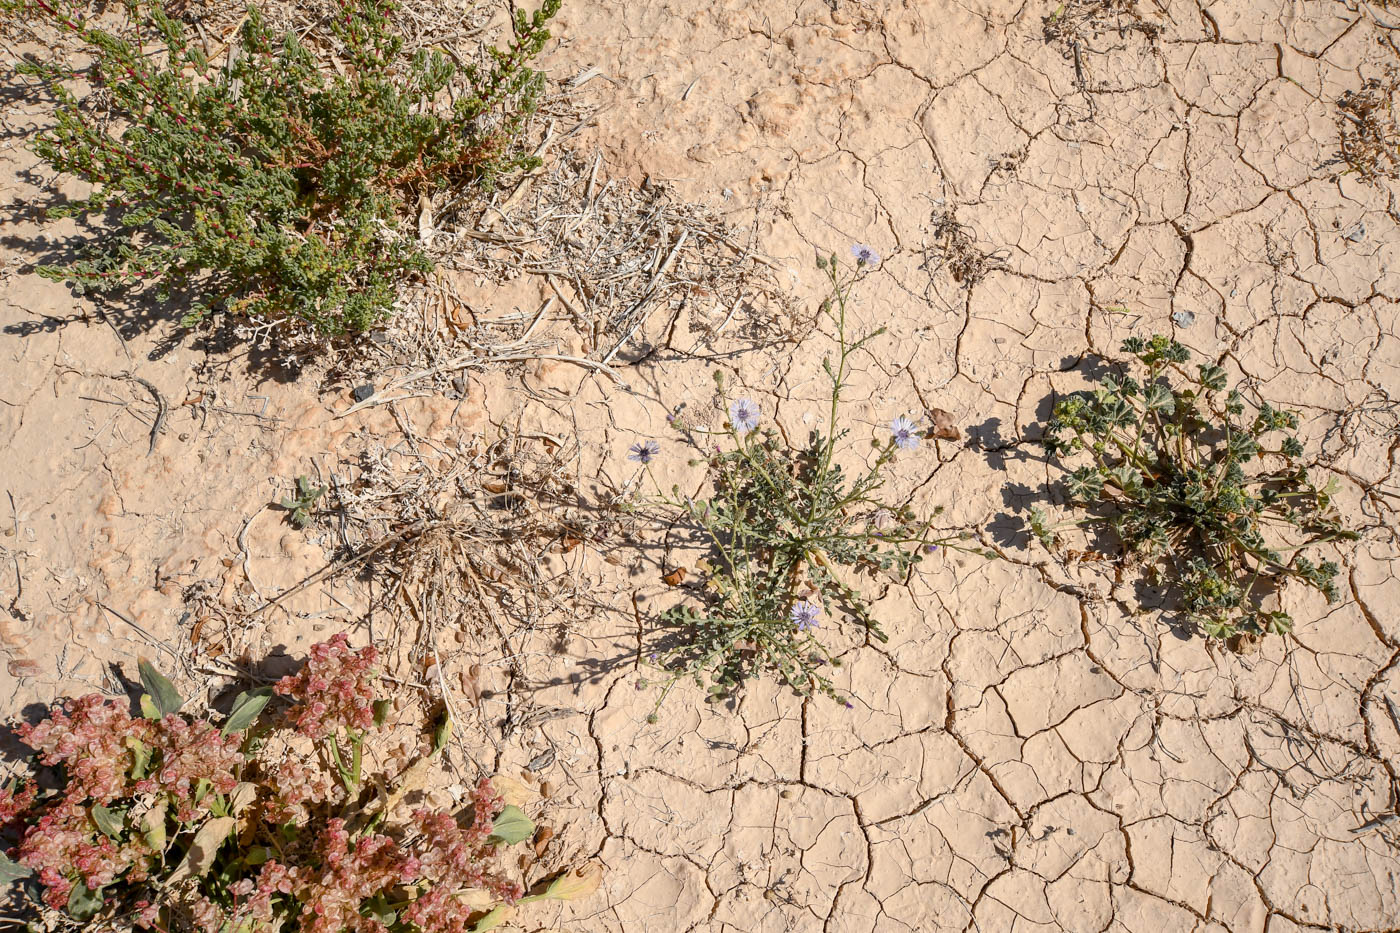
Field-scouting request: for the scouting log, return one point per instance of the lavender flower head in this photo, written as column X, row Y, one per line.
column 804, row 615
column 743, row 415
column 645, row 452
column 906, row 435
column 865, row 256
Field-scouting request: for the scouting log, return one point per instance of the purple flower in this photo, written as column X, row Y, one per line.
column 644, row 452
column 865, row 256
column 743, row 415
column 804, row 615
column 930, row 548
column 906, row 436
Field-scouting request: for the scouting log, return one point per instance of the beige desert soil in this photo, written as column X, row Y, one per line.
column 1031, row 750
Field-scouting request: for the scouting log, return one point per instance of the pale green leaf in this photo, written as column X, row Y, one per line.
column 161, row 691
column 110, row 822
column 246, row 709
column 512, row 826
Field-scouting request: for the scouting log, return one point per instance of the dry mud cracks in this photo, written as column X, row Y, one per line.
column 1028, row 752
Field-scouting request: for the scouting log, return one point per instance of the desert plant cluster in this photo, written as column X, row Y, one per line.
column 1171, row 471
column 261, row 183
column 270, row 820
column 786, row 530
column 277, row 186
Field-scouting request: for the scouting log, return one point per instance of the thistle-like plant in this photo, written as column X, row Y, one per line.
column 1197, row 483
column 788, row 529
column 260, row 181
column 170, row 822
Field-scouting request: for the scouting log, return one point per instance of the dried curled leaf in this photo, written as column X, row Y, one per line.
column 153, row 826
column 494, row 919
column 572, row 885
column 476, row 898
column 514, row 792
column 413, row 778
column 944, row 429
column 243, row 795
column 203, row 848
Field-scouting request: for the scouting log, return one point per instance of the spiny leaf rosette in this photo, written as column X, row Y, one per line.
column 1200, row 485
column 263, row 182
column 168, row 822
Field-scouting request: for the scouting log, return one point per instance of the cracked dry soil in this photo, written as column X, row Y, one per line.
column 1030, row 750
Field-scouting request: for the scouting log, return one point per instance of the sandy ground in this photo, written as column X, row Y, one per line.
column 1029, row 751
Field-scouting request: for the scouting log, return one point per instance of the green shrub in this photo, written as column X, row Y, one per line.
column 788, row 530
column 1167, row 473
column 266, row 185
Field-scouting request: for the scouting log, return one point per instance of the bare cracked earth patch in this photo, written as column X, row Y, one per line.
column 1029, row 751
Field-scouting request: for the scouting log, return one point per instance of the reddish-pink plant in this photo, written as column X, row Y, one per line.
column 334, row 690
column 64, row 847
column 91, row 738
column 15, row 803
column 351, row 872
column 139, row 794
column 298, row 788
column 191, row 752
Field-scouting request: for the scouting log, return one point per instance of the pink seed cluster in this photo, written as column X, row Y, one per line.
column 345, row 871
column 97, row 742
column 64, row 847
column 351, row 872
column 334, row 690
column 253, row 910
column 298, row 788
column 89, row 737
column 190, row 751
column 15, row 803
column 453, row 859
column 322, row 878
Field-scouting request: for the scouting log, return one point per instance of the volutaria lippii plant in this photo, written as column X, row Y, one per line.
column 1199, row 484
column 789, row 531
column 258, row 179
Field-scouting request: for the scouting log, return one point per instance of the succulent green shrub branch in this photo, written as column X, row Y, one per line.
column 1167, row 457
column 266, row 185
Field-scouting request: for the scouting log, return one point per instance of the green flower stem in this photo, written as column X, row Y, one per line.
column 356, row 755
column 349, row 777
